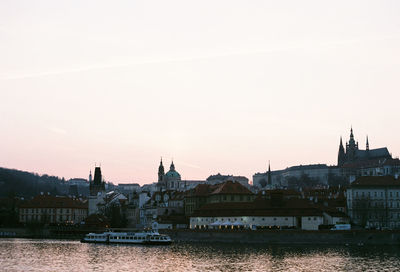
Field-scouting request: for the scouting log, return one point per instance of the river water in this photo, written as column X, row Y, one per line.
column 60, row 255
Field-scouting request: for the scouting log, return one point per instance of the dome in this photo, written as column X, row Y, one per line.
column 172, row 174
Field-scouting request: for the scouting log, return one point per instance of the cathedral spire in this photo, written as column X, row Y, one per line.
column 341, row 154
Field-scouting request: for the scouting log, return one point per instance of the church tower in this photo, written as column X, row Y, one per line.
column 161, row 175
column 161, row 172
column 269, row 179
column 97, row 185
column 351, row 148
column 341, row 155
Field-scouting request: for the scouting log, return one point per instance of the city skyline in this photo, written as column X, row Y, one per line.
column 223, row 89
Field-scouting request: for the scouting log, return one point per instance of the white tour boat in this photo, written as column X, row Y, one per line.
column 146, row 238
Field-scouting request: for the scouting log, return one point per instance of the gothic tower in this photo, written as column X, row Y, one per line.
column 97, row 185
column 341, row 155
column 351, row 148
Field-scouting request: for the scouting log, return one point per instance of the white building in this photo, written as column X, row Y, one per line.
column 374, row 201
column 262, row 213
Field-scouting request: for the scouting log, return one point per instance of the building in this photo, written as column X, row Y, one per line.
column 53, row 209
column 162, row 205
column 312, row 175
column 229, row 191
column 97, row 192
column 373, row 167
column 353, row 153
column 218, row 178
column 374, row 201
column 172, row 180
column 259, row 214
column 128, row 188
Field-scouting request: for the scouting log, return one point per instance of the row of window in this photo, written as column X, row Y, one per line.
column 241, row 219
column 40, row 210
column 375, row 194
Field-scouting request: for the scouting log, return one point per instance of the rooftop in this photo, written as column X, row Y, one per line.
column 375, row 181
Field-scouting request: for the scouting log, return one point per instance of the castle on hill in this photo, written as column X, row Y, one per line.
column 353, row 155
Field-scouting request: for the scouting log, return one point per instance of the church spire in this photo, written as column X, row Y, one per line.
column 367, row 145
column 161, row 171
column 269, row 181
column 341, row 154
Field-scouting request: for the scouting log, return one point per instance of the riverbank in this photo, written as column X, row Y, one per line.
column 290, row 237
column 271, row 237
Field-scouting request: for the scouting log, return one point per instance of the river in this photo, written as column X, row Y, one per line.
column 61, row 255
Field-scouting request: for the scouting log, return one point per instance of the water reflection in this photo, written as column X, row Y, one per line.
column 55, row 255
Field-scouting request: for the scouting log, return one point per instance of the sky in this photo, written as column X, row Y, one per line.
column 217, row 86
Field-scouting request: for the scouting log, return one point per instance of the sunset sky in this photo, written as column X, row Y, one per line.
column 219, row 86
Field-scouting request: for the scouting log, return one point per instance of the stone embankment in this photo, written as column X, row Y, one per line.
column 290, row 237
column 269, row 237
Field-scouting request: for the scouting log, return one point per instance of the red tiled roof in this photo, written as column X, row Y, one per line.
column 293, row 207
column 46, row 201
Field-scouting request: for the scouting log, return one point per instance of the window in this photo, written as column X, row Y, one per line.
column 274, row 218
column 309, row 218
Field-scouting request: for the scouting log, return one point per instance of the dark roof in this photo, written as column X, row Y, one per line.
column 373, row 153
column 308, row 167
column 231, row 187
column 260, row 207
column 336, row 213
column 47, row 201
column 376, row 181
column 373, row 163
column 227, row 187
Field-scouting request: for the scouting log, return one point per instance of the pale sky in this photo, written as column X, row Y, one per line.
column 219, row 86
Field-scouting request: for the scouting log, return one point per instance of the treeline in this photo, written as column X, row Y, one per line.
column 24, row 184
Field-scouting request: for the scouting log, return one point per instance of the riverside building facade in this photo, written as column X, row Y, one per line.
column 375, row 202
column 53, row 209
